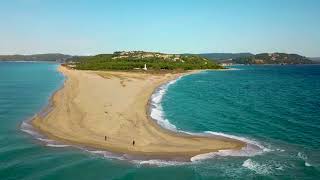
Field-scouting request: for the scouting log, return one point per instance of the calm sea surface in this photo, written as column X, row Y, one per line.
column 277, row 107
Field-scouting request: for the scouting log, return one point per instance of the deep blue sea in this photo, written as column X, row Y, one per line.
column 274, row 107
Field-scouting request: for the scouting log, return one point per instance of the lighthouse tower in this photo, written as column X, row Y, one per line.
column 145, row 67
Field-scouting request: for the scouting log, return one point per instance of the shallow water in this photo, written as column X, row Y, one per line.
column 275, row 106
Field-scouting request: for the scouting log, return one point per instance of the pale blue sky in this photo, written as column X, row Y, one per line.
column 173, row 26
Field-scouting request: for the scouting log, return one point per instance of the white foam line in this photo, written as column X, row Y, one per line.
column 160, row 163
column 156, row 111
column 29, row 129
column 26, row 127
column 252, row 147
column 247, row 140
column 58, row 145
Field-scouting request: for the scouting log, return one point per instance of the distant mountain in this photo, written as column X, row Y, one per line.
column 224, row 56
column 36, row 57
column 273, row 58
column 236, row 58
column 316, row 59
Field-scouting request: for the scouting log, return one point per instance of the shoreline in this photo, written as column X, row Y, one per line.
column 176, row 153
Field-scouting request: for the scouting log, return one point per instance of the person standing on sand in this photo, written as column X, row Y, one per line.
column 133, row 142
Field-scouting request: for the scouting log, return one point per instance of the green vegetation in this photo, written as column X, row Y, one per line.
column 273, row 58
column 135, row 60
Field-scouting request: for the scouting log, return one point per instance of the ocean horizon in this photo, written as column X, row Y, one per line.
column 274, row 108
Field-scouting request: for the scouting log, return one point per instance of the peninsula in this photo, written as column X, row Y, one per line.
column 273, row 58
column 108, row 110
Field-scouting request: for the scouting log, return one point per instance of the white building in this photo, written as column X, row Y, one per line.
column 145, row 67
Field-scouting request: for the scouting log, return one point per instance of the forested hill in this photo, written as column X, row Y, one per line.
column 224, row 56
column 136, row 60
column 273, row 58
column 36, row 57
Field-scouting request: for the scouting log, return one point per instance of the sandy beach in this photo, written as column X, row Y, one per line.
column 109, row 110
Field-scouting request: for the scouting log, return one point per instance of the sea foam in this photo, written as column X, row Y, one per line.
column 257, row 167
column 304, row 157
column 160, row 163
column 252, row 147
column 29, row 129
column 156, row 111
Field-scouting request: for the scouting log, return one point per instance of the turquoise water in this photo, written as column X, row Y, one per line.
column 276, row 107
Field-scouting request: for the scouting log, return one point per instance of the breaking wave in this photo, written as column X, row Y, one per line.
column 156, row 111
column 257, row 167
column 304, row 157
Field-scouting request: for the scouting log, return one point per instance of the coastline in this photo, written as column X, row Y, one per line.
column 165, row 144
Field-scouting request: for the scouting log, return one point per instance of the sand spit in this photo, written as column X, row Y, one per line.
column 108, row 111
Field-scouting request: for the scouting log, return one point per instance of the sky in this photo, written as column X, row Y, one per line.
column 88, row 27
